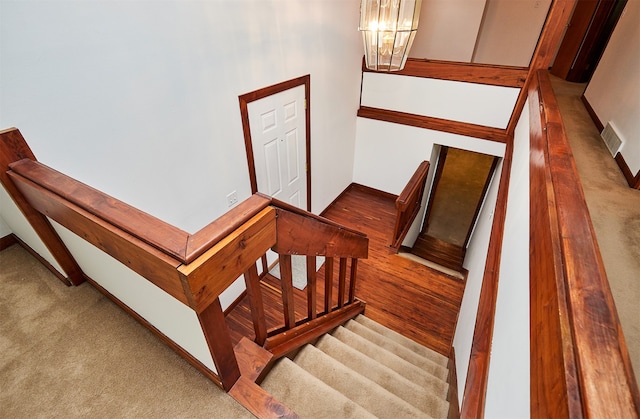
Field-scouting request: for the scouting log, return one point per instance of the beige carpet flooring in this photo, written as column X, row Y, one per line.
column 614, row 209
column 69, row 352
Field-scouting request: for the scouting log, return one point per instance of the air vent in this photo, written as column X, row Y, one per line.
column 611, row 139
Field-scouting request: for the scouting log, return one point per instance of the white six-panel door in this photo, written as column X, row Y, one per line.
column 278, row 137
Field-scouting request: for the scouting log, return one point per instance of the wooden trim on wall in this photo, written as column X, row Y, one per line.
column 436, row 124
column 465, row 72
column 8, row 241
column 633, row 181
column 475, row 389
column 592, row 113
column 247, row 98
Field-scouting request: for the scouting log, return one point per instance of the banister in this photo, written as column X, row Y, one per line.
column 163, row 236
column 408, row 204
column 151, row 230
column 310, row 235
column 218, row 267
column 413, row 186
column 594, row 349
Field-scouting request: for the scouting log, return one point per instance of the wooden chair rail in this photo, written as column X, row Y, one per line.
column 436, row 124
column 408, row 204
column 587, row 356
column 465, row 72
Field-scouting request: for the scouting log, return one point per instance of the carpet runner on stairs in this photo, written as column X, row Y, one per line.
column 362, row 370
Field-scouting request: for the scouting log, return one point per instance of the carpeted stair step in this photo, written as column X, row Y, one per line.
column 431, row 401
column 362, row 370
column 308, row 396
column 402, row 340
column 373, row 397
column 389, row 353
column 431, row 358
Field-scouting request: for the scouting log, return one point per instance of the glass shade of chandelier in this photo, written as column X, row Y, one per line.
column 388, row 28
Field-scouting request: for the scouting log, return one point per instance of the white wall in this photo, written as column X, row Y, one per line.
column 388, row 154
column 614, row 89
column 472, row 103
column 140, row 99
column 448, row 29
column 508, row 382
column 509, row 32
column 4, row 229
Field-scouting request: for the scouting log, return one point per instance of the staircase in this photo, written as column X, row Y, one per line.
column 362, row 370
column 438, row 251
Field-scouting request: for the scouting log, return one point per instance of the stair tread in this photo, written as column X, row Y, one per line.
column 425, row 364
column 403, row 340
column 439, row 251
column 363, row 391
column 307, row 395
column 428, row 400
column 389, row 359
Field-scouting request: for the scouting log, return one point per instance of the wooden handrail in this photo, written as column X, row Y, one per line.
column 584, row 351
column 408, row 204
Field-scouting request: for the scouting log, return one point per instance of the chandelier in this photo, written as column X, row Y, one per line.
column 388, row 28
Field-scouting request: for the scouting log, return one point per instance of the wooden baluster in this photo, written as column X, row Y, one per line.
column 286, row 282
column 312, row 292
column 342, row 279
column 252, row 280
column 352, row 283
column 219, row 342
column 328, row 284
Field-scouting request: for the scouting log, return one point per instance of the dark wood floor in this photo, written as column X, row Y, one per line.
column 401, row 294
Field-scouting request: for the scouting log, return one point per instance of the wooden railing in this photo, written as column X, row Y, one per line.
column 408, row 204
column 196, row 268
column 301, row 233
column 580, row 364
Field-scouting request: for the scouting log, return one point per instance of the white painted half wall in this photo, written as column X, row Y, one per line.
column 171, row 317
column 17, row 224
column 513, row 368
column 614, row 89
column 508, row 394
column 388, row 154
column 4, row 228
column 472, row 103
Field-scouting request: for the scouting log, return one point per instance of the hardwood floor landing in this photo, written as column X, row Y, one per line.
column 402, row 294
